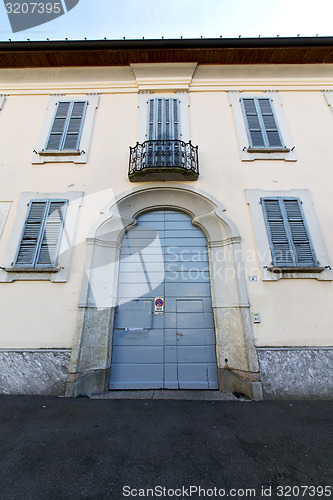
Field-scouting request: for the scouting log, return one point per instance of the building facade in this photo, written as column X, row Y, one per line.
column 166, row 216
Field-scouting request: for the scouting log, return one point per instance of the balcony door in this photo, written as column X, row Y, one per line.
column 163, row 147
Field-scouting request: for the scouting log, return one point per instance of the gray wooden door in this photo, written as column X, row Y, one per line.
column 164, row 256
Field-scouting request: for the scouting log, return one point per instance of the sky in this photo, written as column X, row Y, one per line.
column 134, row 19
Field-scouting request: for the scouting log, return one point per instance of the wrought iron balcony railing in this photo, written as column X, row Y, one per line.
column 163, row 160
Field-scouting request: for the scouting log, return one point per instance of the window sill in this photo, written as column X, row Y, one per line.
column 313, row 269
column 32, row 269
column 59, row 153
column 267, row 150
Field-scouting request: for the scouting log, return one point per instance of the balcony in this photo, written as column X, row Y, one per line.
column 163, row 160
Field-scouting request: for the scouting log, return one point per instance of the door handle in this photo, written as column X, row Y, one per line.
column 180, row 334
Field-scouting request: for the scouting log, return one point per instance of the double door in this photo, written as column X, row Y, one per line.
column 170, row 346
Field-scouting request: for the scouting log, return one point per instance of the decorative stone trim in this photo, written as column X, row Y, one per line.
column 91, row 354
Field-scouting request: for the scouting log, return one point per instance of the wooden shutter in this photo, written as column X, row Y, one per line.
column 51, row 235
column 270, row 126
column 28, row 247
column 74, row 127
column 58, row 128
column 163, row 119
column 253, row 125
column 41, row 235
column 261, row 124
column 288, row 235
column 67, row 126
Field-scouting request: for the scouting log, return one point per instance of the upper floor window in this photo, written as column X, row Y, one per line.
column 164, row 153
column 67, row 130
column 41, row 234
column 163, row 119
column 288, row 235
column 261, row 126
column 65, row 133
column 42, row 237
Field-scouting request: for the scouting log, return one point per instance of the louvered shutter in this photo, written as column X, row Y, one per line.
column 67, row 126
column 261, row 124
column 53, row 227
column 254, row 128
column 74, row 128
column 270, row 124
column 304, row 251
column 41, row 235
column 59, row 126
column 163, row 125
column 151, row 119
column 289, row 239
column 29, row 242
column 163, row 119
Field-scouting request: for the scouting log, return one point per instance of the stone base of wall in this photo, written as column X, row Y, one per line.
column 296, row 373
column 42, row 371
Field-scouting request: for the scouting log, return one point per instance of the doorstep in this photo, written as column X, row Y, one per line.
column 197, row 395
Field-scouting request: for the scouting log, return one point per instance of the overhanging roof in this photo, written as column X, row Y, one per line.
column 298, row 50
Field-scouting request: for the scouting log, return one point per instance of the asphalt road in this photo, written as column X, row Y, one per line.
column 57, row 448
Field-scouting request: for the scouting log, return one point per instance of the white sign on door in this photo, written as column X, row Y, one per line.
column 159, row 305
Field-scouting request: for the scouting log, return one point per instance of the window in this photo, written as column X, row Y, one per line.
column 164, row 151
column 163, row 130
column 42, row 233
column 42, row 237
column 163, row 119
column 261, row 126
column 288, row 237
column 67, row 130
column 67, row 126
column 170, row 116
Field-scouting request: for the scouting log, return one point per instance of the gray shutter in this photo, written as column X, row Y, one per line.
column 278, row 237
column 41, row 235
column 270, row 124
column 304, row 251
column 58, row 127
column 252, row 122
column 51, row 238
column 151, row 119
column 176, row 119
column 163, row 119
column 74, row 127
column 288, row 236
column 67, row 126
column 31, row 234
column 261, row 124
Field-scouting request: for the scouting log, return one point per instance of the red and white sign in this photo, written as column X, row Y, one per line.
column 159, row 305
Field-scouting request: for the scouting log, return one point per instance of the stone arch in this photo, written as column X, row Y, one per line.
column 237, row 359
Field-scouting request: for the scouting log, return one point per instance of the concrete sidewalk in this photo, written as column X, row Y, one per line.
column 58, row 448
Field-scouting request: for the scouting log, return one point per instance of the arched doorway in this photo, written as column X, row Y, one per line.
column 237, row 361
column 164, row 336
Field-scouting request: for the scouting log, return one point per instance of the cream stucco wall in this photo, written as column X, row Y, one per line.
column 294, row 312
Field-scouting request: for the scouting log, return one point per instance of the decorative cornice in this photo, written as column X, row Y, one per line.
column 235, row 240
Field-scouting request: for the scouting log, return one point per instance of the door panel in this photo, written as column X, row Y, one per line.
column 147, row 351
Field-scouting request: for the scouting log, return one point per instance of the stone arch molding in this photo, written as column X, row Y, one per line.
column 237, row 359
